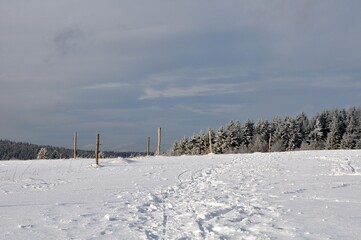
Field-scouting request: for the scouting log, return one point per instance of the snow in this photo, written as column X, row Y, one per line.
column 292, row 195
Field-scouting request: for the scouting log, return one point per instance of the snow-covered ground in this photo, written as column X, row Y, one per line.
column 293, row 195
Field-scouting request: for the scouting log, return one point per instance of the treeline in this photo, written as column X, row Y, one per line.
column 10, row 150
column 330, row 129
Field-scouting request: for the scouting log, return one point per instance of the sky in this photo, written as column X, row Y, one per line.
column 125, row 68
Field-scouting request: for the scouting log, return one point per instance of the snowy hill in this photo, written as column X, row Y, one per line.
column 293, row 195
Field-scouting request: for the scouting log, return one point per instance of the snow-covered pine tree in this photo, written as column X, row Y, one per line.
column 220, row 144
column 261, row 138
column 195, row 139
column 319, row 129
column 287, row 132
column 263, row 129
column 259, row 144
column 325, row 120
column 353, row 129
column 188, row 146
column 304, row 124
column 344, row 120
column 55, row 155
column 276, row 129
column 102, row 155
column 317, row 132
column 347, row 142
column 292, row 136
column 193, row 145
column 43, row 153
column 247, row 133
column 234, row 136
column 182, row 146
column 203, row 143
column 174, row 149
column 335, row 135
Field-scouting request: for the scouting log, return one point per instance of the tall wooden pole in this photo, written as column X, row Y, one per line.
column 75, row 143
column 148, row 146
column 269, row 142
column 97, row 150
column 210, row 140
column 159, row 140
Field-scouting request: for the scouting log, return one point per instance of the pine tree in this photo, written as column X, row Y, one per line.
column 336, row 132
column 303, row 124
column 183, row 146
column 347, row 142
column 234, row 137
column 189, row 145
column 259, row 144
column 203, row 143
column 321, row 127
column 220, row 143
column 286, row 134
column 195, row 143
column 173, row 151
column 247, row 132
column 353, row 129
column 55, row 155
column 290, row 135
column 317, row 133
column 43, row 153
column 276, row 130
column 102, row 155
column 261, row 136
column 262, row 128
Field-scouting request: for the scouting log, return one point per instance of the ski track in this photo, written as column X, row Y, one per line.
column 220, row 202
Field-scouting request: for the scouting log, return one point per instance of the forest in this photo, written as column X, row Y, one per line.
column 10, row 150
column 329, row 129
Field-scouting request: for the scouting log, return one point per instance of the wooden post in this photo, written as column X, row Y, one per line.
column 75, row 143
column 97, row 150
column 159, row 140
column 148, row 146
column 210, row 140
column 269, row 142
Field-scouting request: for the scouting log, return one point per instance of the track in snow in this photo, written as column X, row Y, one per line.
column 220, row 202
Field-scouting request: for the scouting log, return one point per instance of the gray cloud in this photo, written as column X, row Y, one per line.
column 124, row 68
column 111, row 86
column 68, row 39
column 195, row 90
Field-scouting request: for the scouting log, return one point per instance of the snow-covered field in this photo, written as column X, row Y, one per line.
column 293, row 195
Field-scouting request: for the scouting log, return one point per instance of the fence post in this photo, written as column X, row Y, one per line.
column 210, row 140
column 148, row 146
column 75, row 143
column 97, row 150
column 159, row 140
